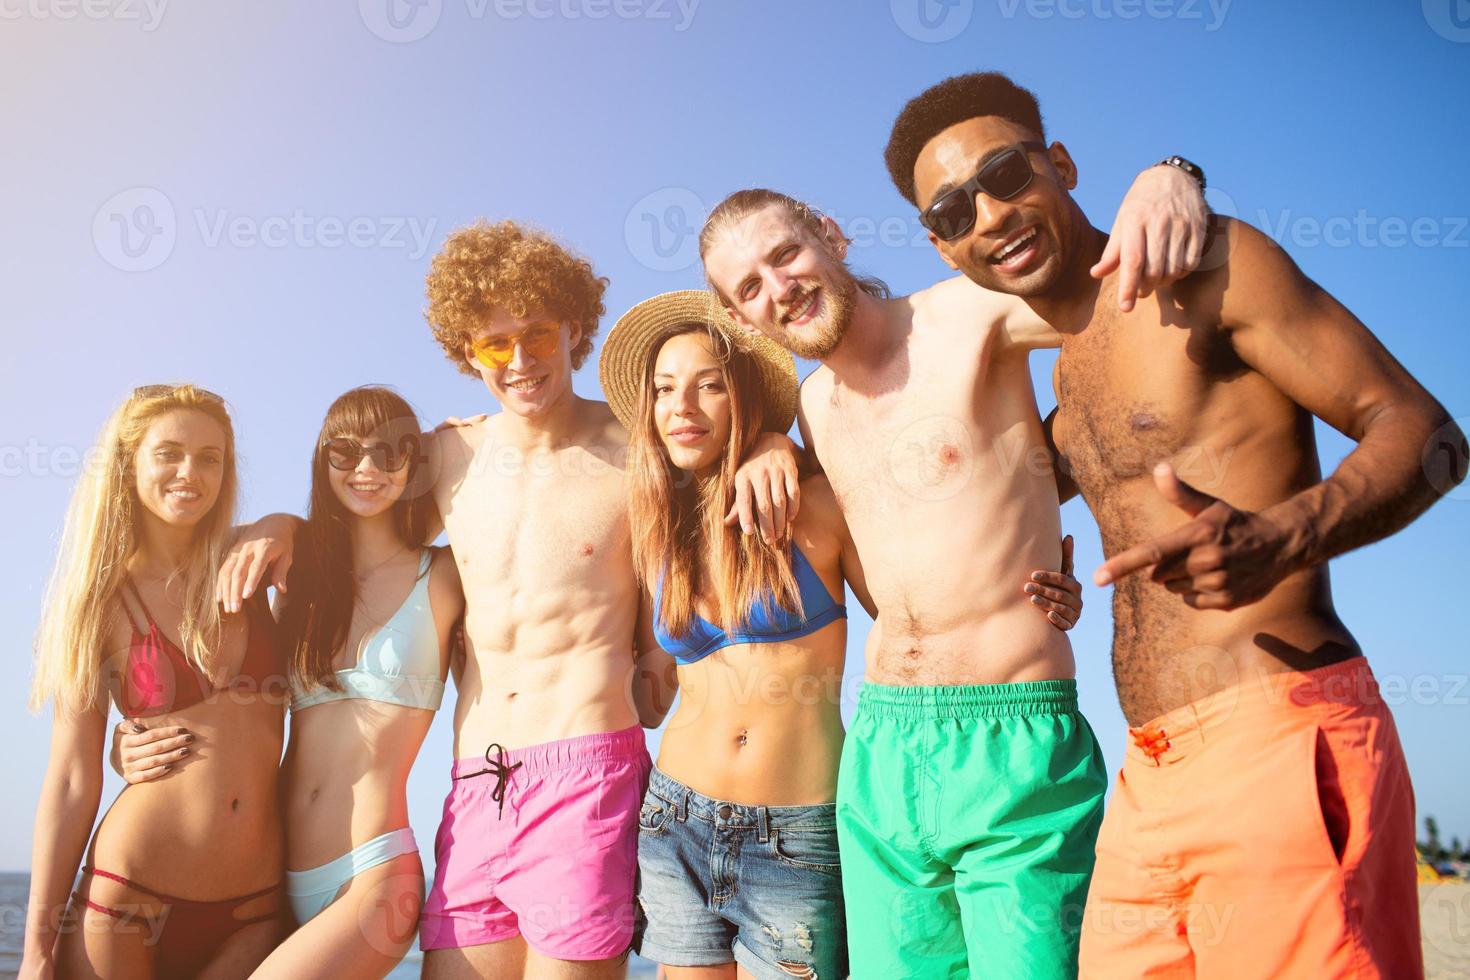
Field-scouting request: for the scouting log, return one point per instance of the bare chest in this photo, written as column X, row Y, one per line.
column 1131, row 395
column 541, row 521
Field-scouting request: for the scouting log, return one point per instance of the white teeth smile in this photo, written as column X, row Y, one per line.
column 366, row 487
column 807, row 307
column 184, row 494
column 526, row 384
column 1015, row 246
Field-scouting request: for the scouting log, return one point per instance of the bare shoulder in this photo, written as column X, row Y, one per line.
column 445, row 590
column 819, row 521
column 1243, row 273
column 815, row 389
column 958, row 302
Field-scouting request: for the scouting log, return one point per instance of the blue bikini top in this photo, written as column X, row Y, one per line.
column 399, row 665
column 764, row 625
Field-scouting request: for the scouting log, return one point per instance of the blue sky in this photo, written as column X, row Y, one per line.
column 247, row 196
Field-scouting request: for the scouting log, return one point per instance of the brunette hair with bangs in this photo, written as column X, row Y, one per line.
column 322, row 586
column 674, row 517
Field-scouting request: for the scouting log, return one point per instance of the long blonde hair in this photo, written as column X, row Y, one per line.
column 100, row 537
column 672, row 516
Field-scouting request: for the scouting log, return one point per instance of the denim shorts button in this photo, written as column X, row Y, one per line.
column 725, row 812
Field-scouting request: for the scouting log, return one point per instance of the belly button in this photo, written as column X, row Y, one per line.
column 743, row 737
column 234, row 805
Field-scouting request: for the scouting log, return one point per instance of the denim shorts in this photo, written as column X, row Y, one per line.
column 759, row 885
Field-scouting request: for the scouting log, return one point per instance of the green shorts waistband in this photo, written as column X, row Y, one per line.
column 968, row 700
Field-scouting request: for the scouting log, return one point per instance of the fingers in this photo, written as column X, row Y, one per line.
column 761, row 492
column 1156, row 256
column 282, row 569
column 793, row 494
column 1109, row 260
column 222, row 581
column 777, row 490
column 1067, row 566
column 147, row 775
column 161, row 739
column 1059, row 580
column 1059, row 596
column 744, row 502
column 1149, row 553
column 1130, row 268
column 1059, row 621
column 1179, row 493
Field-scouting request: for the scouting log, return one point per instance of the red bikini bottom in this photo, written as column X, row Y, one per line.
column 187, row 933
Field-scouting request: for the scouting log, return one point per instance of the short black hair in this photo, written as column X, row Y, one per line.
column 981, row 93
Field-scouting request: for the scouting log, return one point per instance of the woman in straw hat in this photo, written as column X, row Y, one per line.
column 754, row 635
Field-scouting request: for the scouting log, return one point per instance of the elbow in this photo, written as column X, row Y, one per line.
column 1447, row 456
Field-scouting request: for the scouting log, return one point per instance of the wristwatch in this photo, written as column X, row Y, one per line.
column 1193, row 169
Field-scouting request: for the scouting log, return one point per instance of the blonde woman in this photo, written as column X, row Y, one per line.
column 366, row 621
column 738, row 861
column 182, row 876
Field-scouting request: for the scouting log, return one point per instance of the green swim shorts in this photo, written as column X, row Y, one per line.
column 966, row 818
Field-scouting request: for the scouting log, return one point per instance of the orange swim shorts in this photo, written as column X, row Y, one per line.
column 1264, row 831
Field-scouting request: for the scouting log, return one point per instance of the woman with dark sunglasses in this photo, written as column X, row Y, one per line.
column 738, row 864
column 366, row 624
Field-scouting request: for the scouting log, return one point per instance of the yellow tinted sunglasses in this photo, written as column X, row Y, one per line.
column 539, row 339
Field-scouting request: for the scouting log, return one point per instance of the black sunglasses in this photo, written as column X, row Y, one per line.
column 1003, row 176
column 345, row 454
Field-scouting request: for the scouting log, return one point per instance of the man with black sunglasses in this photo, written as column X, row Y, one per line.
column 971, row 787
column 1263, row 821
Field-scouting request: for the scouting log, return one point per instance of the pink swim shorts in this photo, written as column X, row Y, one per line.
column 541, row 842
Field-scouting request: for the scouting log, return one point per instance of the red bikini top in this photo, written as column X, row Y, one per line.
column 159, row 679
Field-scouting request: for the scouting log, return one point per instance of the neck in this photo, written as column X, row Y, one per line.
column 550, row 429
column 163, row 548
column 1069, row 304
column 869, row 339
column 374, row 540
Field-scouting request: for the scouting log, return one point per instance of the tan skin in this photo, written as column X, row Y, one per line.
column 211, row 833
column 952, row 463
column 759, row 723
column 534, row 504
column 1187, row 425
column 345, row 773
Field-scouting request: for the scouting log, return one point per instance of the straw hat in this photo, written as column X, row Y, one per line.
column 626, row 351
